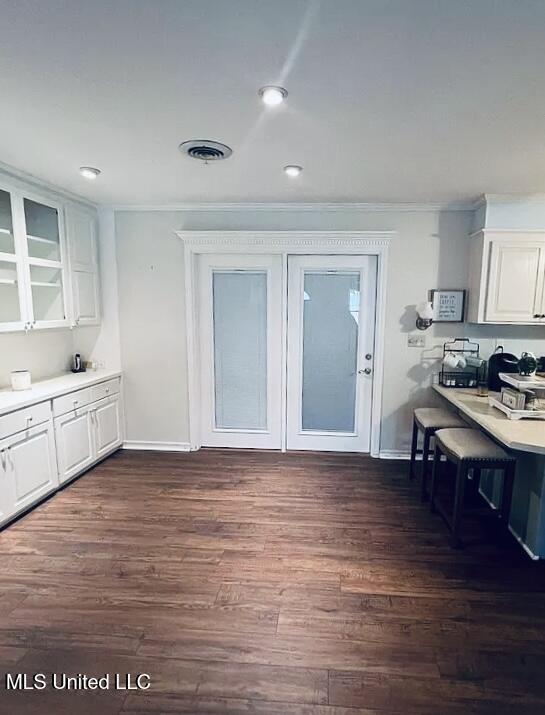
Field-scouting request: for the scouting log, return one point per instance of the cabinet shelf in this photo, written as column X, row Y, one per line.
column 5, row 231
column 41, row 239
column 45, row 284
column 8, row 281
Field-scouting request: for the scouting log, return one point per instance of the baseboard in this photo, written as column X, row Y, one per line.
column 157, row 446
column 396, row 454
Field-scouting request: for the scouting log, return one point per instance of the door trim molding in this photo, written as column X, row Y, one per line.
column 374, row 243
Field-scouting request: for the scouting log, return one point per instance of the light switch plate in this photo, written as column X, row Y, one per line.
column 416, row 341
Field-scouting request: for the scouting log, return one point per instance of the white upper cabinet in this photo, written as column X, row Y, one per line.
column 81, row 228
column 48, row 262
column 507, row 277
column 12, row 284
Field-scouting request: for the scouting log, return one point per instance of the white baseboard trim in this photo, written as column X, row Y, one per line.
column 157, row 446
column 396, row 454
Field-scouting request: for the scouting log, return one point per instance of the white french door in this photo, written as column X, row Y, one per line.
column 331, row 334
column 241, row 350
column 315, row 394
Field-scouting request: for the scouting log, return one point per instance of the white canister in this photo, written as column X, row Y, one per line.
column 20, row 380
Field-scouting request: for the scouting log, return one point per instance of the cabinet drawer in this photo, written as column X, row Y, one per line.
column 24, row 419
column 71, row 401
column 105, row 389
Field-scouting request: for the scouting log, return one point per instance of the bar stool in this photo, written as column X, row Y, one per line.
column 469, row 449
column 428, row 420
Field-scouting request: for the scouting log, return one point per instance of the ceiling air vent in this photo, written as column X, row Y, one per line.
column 205, row 150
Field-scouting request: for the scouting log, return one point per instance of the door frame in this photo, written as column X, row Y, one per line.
column 284, row 243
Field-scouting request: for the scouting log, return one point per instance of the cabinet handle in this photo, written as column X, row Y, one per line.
column 536, row 315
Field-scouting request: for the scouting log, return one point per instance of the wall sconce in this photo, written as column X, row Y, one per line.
column 424, row 313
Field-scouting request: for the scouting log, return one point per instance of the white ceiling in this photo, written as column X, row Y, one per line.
column 389, row 100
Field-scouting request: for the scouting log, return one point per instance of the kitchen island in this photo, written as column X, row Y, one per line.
column 526, row 439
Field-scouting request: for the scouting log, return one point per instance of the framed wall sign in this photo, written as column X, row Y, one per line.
column 448, row 305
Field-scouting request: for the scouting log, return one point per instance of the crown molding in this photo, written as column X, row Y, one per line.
column 537, row 198
column 16, row 175
column 328, row 241
column 340, row 207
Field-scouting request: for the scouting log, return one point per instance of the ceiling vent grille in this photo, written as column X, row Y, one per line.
column 205, row 150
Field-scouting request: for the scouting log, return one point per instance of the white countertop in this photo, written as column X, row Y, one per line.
column 11, row 400
column 524, row 435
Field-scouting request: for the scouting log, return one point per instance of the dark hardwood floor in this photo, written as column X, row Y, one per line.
column 254, row 582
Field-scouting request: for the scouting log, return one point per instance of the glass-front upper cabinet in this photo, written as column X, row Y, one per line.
column 32, row 263
column 12, row 284
column 45, row 257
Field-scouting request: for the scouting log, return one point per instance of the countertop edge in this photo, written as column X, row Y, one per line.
column 514, row 445
column 28, row 397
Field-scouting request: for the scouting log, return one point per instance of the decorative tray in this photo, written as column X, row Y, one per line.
column 516, row 414
column 521, row 382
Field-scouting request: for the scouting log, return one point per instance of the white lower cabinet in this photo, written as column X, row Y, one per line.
column 74, row 438
column 107, row 424
column 50, row 442
column 86, row 435
column 28, row 469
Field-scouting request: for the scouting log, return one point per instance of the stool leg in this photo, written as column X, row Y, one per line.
column 461, row 477
column 435, row 475
column 425, row 457
column 414, row 444
column 474, row 484
column 507, row 493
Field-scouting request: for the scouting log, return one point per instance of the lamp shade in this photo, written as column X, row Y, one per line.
column 425, row 310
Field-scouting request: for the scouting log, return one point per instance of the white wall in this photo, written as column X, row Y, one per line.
column 45, row 353
column 430, row 250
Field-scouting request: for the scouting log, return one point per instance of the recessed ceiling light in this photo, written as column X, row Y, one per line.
column 273, row 96
column 293, row 170
column 89, row 172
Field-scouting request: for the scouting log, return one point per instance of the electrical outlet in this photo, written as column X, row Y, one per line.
column 416, row 341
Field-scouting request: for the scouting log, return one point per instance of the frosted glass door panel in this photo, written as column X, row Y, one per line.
column 42, row 228
column 240, row 349
column 330, row 351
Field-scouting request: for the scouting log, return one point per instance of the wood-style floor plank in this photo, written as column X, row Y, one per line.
column 266, row 583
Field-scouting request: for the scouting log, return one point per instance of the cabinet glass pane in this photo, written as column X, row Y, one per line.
column 47, row 297
column 10, row 311
column 42, row 227
column 330, row 343
column 7, row 244
column 240, row 349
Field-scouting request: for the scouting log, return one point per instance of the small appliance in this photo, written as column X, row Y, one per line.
column 500, row 362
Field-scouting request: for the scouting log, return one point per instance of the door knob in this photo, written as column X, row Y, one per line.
column 367, row 371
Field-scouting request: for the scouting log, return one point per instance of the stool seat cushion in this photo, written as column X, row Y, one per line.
column 470, row 444
column 433, row 418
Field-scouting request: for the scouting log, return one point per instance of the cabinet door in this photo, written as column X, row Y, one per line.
column 516, row 282
column 107, row 422
column 7, row 496
column 75, row 443
column 31, row 465
column 82, row 239
column 12, row 285
column 85, row 298
column 46, row 263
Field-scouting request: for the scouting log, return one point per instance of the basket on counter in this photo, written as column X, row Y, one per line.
column 467, row 376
